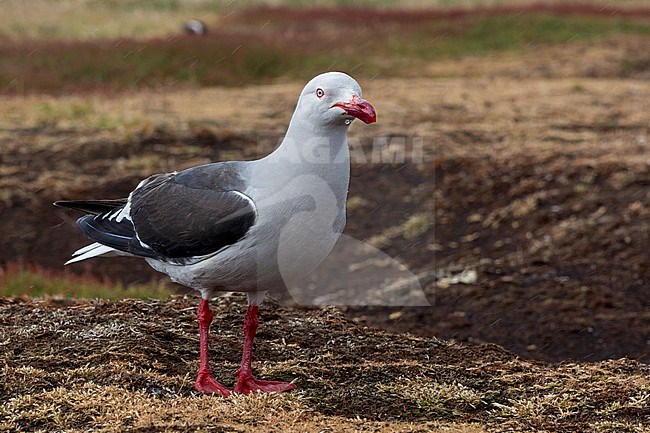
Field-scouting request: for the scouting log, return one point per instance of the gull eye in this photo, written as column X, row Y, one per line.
column 320, row 92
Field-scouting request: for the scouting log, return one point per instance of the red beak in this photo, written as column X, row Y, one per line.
column 359, row 108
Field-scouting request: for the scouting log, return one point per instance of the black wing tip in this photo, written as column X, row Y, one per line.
column 94, row 207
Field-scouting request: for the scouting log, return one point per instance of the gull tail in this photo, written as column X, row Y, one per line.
column 93, row 250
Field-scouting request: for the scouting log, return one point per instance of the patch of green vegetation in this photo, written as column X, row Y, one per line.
column 509, row 32
column 159, row 5
column 18, row 280
column 50, row 114
column 76, row 113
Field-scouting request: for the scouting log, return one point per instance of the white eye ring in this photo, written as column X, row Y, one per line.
column 320, row 92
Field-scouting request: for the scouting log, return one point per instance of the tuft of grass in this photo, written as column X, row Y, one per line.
column 416, row 225
column 441, row 399
column 19, row 279
column 356, row 202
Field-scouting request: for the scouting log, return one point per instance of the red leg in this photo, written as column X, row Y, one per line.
column 205, row 382
column 246, row 383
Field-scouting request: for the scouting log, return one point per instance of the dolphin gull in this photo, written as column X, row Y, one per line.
column 241, row 226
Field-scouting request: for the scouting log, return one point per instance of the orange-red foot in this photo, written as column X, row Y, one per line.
column 206, row 384
column 247, row 384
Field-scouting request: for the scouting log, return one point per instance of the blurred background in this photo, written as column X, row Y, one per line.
column 509, row 169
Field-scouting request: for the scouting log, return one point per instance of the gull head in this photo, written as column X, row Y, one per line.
column 334, row 98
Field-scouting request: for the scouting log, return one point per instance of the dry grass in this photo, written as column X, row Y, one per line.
column 114, row 408
column 129, row 365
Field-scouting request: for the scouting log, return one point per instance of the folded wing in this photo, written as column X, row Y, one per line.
column 177, row 217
